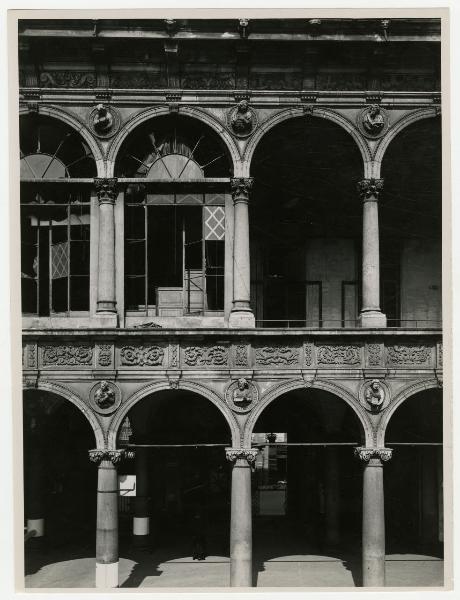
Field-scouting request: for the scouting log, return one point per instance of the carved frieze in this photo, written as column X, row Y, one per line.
column 277, row 355
column 67, row 356
column 104, row 357
column 349, row 355
column 408, row 355
column 195, row 356
column 142, row 356
column 242, row 395
column 440, row 356
column 67, row 79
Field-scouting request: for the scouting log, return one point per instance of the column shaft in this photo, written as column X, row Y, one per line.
column 241, row 526
column 373, row 525
column 107, row 526
column 106, row 298
column 241, row 312
column 371, row 315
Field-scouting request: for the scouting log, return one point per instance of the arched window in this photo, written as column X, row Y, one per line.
column 55, row 216
column 177, row 170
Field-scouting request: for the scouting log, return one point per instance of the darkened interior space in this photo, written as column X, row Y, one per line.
column 306, row 219
column 309, row 494
column 414, row 476
column 59, row 480
column 186, row 484
column 410, row 219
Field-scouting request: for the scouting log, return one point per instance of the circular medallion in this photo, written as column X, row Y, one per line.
column 242, row 395
column 373, row 121
column 104, row 121
column 374, row 395
column 242, row 120
column 105, row 397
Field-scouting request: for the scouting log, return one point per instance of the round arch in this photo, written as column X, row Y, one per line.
column 405, row 121
column 71, row 396
column 298, row 384
column 79, row 127
column 291, row 113
column 407, row 392
column 189, row 386
column 158, row 111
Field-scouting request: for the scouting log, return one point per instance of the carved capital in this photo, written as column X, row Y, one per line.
column 234, row 454
column 106, row 189
column 365, row 454
column 114, row 456
column 241, row 187
column 369, row 189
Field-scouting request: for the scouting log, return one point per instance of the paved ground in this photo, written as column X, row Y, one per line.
column 278, row 561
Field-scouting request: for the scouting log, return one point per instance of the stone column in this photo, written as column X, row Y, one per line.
column 106, row 192
column 371, row 315
column 241, row 315
column 107, row 516
column 241, row 516
column 373, row 546
column 332, row 495
column 141, row 520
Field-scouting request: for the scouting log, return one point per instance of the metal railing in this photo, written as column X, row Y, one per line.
column 345, row 323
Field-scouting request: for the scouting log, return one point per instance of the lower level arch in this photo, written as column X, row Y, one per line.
column 298, row 384
column 189, row 386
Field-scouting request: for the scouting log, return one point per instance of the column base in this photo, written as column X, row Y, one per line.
column 106, row 319
column 240, row 319
column 372, row 318
column 107, row 575
column 36, row 525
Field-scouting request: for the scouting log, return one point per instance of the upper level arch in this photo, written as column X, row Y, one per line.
column 201, row 141
column 58, row 145
column 319, row 113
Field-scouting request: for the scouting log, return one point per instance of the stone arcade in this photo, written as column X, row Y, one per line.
column 231, row 262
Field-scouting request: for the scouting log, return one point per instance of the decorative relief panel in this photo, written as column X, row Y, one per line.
column 308, row 353
column 174, row 355
column 409, row 354
column 374, row 396
column 339, row 355
column 215, row 356
column 142, row 356
column 439, row 357
column 105, row 397
column 374, row 355
column 277, row 355
column 67, row 356
column 104, row 358
column 32, row 356
column 241, row 356
column 242, row 395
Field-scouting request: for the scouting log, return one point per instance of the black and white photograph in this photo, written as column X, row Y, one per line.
column 233, row 269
